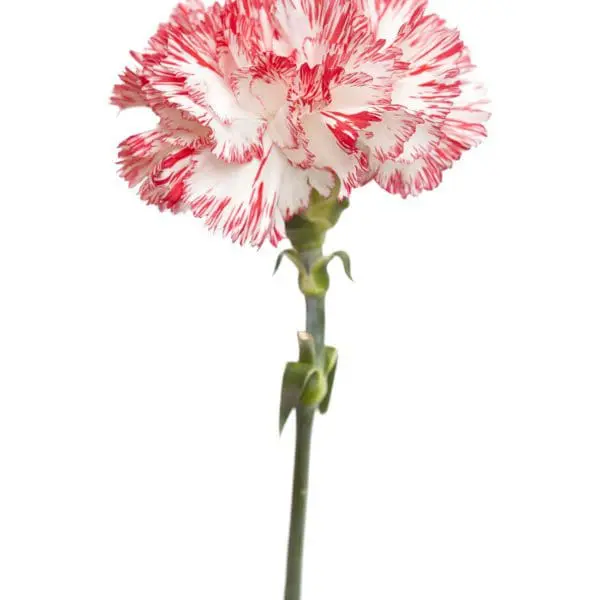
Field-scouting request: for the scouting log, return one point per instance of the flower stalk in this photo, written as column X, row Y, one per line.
column 315, row 327
column 307, row 383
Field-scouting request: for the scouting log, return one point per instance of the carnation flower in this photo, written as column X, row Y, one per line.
column 270, row 112
column 261, row 101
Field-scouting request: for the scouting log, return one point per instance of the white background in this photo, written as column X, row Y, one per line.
column 141, row 357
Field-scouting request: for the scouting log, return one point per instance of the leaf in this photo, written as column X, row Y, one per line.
column 295, row 379
column 315, row 390
column 294, row 256
column 331, row 361
column 345, row 258
column 316, row 283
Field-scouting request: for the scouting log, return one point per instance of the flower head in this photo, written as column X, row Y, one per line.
column 260, row 101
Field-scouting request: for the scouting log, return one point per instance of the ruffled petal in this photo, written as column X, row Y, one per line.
column 390, row 16
column 465, row 123
column 260, row 101
column 160, row 167
column 189, row 77
column 431, row 59
column 180, row 129
column 248, row 202
column 129, row 92
column 165, row 185
column 333, row 146
column 386, row 138
column 409, row 179
column 262, row 88
column 428, row 153
column 138, row 153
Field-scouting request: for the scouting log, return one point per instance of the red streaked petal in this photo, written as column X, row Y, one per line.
column 409, row 179
column 330, row 147
column 129, row 92
column 139, row 152
column 258, row 101
column 248, row 202
column 387, row 137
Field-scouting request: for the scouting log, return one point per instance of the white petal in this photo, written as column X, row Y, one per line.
column 435, row 57
column 409, row 179
column 421, row 142
column 293, row 23
column 248, row 201
column 204, row 95
column 388, row 16
column 353, row 97
column 387, row 137
column 322, row 180
column 329, row 154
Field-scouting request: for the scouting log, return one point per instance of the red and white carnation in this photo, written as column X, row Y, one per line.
column 259, row 101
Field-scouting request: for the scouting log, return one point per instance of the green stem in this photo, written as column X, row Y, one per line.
column 315, row 325
column 315, row 306
column 304, row 423
column 306, row 232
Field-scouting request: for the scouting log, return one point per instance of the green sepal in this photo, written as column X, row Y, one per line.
column 325, row 211
column 331, row 361
column 295, row 379
column 294, row 256
column 306, row 230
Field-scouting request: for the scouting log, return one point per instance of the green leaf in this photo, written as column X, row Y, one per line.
column 345, row 258
column 315, row 389
column 307, row 229
column 331, row 361
column 316, row 283
column 295, row 379
column 294, row 256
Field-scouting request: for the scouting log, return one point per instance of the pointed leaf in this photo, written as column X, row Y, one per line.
column 331, row 360
column 345, row 258
column 295, row 379
column 294, row 256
